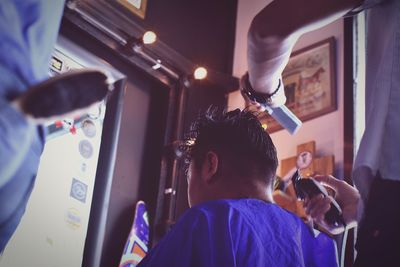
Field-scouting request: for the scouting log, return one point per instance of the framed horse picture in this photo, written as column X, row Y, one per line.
column 137, row 7
column 310, row 83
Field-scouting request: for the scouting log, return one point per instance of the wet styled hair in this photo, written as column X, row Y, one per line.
column 238, row 138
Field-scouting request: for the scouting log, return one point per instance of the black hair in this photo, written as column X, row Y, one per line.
column 238, row 138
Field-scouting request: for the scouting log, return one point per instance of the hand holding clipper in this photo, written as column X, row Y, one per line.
column 309, row 188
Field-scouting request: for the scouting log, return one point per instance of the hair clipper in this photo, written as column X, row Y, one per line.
column 308, row 187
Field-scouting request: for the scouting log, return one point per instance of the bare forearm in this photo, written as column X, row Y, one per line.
column 277, row 27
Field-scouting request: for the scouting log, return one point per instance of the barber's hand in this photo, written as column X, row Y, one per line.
column 258, row 107
column 276, row 100
column 279, row 99
column 347, row 197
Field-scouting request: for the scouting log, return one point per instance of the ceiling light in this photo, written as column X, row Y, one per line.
column 149, row 37
column 200, row 73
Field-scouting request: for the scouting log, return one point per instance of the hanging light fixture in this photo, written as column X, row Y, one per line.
column 149, row 37
column 200, row 73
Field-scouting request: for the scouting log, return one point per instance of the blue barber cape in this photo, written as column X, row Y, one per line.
column 242, row 232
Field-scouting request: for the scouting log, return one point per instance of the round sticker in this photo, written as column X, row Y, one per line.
column 89, row 128
column 85, row 149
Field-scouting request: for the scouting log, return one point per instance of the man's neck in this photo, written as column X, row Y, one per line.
column 256, row 190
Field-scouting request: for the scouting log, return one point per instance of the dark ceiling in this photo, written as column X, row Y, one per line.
column 202, row 31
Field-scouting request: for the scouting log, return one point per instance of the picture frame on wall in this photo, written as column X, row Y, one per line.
column 310, row 83
column 137, row 7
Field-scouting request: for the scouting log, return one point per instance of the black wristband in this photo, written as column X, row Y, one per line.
column 248, row 91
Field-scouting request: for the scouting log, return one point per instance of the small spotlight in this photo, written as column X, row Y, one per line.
column 149, row 37
column 200, row 73
column 264, row 126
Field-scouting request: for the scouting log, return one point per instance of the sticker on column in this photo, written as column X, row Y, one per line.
column 83, row 167
column 85, row 149
column 89, row 128
column 73, row 218
column 78, row 190
column 95, row 111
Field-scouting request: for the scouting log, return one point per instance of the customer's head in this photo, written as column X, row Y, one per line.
column 231, row 156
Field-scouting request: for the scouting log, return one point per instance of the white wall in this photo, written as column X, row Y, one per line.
column 326, row 130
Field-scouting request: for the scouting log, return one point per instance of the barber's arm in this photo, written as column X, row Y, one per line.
column 347, row 197
column 275, row 30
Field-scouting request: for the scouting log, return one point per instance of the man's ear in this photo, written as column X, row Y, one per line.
column 210, row 166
